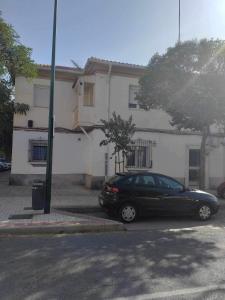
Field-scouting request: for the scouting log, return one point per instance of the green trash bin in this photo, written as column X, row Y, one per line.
column 38, row 195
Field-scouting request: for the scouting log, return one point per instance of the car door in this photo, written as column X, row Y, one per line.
column 173, row 196
column 146, row 193
column 126, row 187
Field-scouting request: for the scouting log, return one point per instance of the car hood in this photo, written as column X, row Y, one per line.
column 199, row 194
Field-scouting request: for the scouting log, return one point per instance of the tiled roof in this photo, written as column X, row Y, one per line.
column 104, row 61
column 63, row 68
column 94, row 64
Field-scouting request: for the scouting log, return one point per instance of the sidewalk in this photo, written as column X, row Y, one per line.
column 17, row 216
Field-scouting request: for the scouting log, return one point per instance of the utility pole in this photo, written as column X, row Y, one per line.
column 179, row 24
column 51, row 120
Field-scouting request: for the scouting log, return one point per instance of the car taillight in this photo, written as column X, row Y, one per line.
column 112, row 189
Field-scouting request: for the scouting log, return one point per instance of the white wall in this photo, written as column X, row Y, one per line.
column 92, row 115
column 119, row 99
column 78, row 154
column 119, row 102
column 169, row 156
column 169, row 153
column 69, row 153
column 63, row 103
column 216, row 165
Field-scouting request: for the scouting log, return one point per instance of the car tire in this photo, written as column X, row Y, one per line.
column 204, row 212
column 128, row 213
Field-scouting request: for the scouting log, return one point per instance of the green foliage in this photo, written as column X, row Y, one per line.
column 188, row 83
column 118, row 132
column 15, row 59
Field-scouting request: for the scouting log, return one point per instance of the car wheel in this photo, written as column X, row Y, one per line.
column 128, row 213
column 204, row 212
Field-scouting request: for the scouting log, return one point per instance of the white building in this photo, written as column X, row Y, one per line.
column 82, row 99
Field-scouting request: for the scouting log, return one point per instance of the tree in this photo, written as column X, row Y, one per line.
column 188, row 82
column 15, row 59
column 119, row 132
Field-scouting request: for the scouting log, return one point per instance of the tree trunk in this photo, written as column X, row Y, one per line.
column 115, row 163
column 119, row 160
column 202, row 175
column 123, row 161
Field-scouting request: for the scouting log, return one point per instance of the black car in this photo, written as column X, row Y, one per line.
column 140, row 194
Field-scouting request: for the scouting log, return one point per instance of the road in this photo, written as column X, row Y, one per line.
column 134, row 265
column 159, row 222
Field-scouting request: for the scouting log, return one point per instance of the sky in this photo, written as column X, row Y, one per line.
column 121, row 30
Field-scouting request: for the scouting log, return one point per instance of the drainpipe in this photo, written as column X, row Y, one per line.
column 109, row 88
column 90, row 143
column 108, row 115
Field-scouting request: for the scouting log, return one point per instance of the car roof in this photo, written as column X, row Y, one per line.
column 145, row 173
column 140, row 173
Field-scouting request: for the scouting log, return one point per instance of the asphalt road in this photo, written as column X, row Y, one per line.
column 136, row 265
column 159, row 222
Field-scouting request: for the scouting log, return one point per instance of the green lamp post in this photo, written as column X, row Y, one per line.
column 51, row 120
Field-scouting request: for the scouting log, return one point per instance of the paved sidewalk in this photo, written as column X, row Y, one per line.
column 17, row 216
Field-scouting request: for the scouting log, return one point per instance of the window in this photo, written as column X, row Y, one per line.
column 128, row 181
column 133, row 91
column 194, row 157
column 88, row 94
column 140, row 154
column 168, row 183
column 38, row 150
column 145, row 180
column 194, row 166
column 41, row 95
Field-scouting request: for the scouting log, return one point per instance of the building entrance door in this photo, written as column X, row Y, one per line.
column 194, row 167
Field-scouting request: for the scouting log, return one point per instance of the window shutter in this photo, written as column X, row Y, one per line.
column 133, row 90
column 41, row 95
column 88, row 94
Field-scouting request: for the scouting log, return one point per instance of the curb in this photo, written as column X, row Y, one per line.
column 61, row 229
column 78, row 209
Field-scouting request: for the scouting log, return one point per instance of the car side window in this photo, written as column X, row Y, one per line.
column 168, row 183
column 145, row 181
column 128, row 181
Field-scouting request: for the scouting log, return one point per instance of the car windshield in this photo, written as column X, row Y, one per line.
column 114, row 179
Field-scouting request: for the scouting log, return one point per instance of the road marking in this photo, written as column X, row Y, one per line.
column 165, row 295
column 196, row 228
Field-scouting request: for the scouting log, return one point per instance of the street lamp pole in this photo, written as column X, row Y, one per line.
column 51, row 120
column 179, row 23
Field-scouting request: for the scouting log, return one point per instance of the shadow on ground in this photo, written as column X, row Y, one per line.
column 105, row 266
column 153, row 222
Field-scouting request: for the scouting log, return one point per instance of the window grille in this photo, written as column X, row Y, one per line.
column 37, row 151
column 140, row 154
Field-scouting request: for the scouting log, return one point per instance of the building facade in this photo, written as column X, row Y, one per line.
column 83, row 97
